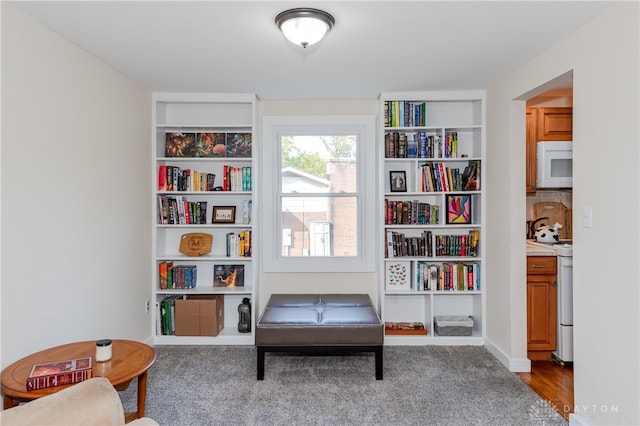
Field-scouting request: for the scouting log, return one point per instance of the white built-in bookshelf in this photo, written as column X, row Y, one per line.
column 196, row 136
column 432, row 147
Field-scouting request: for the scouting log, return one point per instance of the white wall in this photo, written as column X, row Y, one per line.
column 270, row 283
column 76, row 194
column 604, row 57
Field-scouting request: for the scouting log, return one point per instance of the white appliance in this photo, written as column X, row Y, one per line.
column 554, row 162
column 564, row 344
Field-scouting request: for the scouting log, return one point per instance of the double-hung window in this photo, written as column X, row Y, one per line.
column 319, row 194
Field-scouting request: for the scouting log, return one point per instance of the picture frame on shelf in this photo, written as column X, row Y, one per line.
column 459, row 209
column 224, row 214
column 398, row 276
column 398, row 181
column 228, row 276
column 210, row 144
column 180, row 144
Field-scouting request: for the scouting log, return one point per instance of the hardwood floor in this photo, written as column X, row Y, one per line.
column 554, row 383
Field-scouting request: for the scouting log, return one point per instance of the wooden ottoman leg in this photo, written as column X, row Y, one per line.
column 260, row 363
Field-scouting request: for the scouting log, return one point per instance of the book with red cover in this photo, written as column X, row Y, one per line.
column 59, row 373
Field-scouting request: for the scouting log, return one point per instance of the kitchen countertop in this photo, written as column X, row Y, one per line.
column 540, row 249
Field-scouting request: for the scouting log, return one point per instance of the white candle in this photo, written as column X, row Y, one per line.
column 103, row 350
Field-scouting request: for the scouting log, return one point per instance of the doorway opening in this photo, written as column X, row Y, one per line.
column 549, row 116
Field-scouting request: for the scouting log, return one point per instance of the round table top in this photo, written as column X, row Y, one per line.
column 129, row 360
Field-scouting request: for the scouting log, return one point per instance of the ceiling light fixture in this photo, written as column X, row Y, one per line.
column 304, row 26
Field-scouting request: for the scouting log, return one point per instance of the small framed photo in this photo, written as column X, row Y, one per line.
column 224, row 214
column 398, row 276
column 398, row 181
column 458, row 209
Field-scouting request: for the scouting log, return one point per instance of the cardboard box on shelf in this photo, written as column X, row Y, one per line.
column 200, row 316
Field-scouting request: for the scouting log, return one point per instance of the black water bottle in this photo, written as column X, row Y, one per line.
column 244, row 316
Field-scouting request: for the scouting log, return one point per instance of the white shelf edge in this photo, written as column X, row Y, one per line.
column 206, row 290
column 204, row 126
column 206, row 159
column 204, row 258
column 433, row 340
column 221, row 339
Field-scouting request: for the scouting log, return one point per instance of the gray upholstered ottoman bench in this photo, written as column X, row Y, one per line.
column 322, row 323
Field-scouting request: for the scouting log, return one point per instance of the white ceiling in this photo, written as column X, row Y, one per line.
column 375, row 46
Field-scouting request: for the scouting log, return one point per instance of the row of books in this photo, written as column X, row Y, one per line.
column 447, row 276
column 166, row 315
column 236, row 179
column 238, row 244
column 397, row 244
column 173, row 178
column 186, row 276
column 207, row 144
column 405, row 113
column 178, row 276
column 437, row 177
column 408, row 212
column 50, row 374
column 420, row 145
column 458, row 245
column 179, row 211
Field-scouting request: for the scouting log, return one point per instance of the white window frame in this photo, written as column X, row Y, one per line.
column 364, row 126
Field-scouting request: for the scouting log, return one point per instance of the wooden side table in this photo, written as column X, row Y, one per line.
column 130, row 360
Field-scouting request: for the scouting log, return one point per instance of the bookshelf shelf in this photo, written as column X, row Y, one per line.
column 433, row 223
column 204, row 157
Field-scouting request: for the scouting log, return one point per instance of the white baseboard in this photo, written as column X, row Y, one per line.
column 576, row 420
column 515, row 365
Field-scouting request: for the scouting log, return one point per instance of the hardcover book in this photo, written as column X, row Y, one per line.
column 228, row 276
column 180, row 145
column 59, row 373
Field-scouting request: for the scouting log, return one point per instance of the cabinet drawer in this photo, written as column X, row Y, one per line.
column 541, row 264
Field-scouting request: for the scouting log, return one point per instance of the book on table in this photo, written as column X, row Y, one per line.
column 59, row 373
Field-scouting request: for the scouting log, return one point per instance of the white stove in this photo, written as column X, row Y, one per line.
column 564, row 249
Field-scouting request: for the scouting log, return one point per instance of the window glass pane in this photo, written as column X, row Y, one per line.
column 319, row 226
column 318, row 164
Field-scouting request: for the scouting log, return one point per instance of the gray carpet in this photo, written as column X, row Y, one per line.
column 432, row 385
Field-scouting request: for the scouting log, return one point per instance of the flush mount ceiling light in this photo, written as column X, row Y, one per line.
column 304, row 26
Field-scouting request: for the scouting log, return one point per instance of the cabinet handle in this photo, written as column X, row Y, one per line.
column 539, row 266
column 555, row 283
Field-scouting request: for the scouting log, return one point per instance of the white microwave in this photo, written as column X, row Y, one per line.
column 554, row 164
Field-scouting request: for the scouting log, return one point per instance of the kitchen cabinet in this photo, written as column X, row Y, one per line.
column 545, row 124
column 555, row 124
column 541, row 306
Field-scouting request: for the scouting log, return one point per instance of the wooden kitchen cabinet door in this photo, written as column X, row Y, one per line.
column 541, row 315
column 555, row 124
